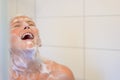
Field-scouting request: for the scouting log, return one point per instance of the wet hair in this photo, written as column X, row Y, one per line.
column 25, row 62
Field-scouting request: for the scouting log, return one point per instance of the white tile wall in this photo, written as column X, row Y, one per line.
column 71, row 57
column 64, row 29
column 61, row 31
column 11, row 8
column 102, row 65
column 59, row 7
column 65, row 34
column 103, row 32
column 102, row 7
column 26, row 7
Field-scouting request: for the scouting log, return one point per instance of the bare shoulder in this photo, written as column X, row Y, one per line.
column 60, row 72
column 67, row 72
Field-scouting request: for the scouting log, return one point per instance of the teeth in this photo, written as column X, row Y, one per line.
column 27, row 34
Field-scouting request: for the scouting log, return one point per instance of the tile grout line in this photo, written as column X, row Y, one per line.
column 16, row 6
column 35, row 10
column 60, row 46
column 57, row 16
column 77, row 16
column 79, row 47
column 104, row 49
column 84, row 39
column 102, row 15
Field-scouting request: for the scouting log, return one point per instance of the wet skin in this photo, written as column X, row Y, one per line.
column 24, row 48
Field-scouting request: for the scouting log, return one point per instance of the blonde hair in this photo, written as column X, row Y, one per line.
column 24, row 62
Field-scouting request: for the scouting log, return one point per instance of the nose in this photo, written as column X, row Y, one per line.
column 26, row 27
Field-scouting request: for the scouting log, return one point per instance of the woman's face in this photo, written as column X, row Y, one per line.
column 23, row 33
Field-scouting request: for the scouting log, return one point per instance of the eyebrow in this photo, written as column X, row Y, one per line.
column 15, row 22
column 29, row 21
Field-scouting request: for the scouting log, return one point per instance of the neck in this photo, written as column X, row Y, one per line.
column 24, row 54
column 24, row 60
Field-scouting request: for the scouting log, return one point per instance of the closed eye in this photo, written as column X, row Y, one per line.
column 17, row 25
column 30, row 23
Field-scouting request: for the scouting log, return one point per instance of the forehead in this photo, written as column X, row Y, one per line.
column 21, row 19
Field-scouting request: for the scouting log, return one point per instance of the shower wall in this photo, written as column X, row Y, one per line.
column 81, row 34
column 4, row 55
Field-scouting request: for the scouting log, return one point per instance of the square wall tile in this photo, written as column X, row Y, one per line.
column 61, row 31
column 102, row 65
column 26, row 7
column 59, row 7
column 11, row 8
column 102, row 32
column 102, row 7
column 70, row 57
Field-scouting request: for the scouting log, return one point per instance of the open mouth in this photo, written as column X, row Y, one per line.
column 27, row 36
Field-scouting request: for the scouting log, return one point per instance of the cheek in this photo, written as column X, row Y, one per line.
column 13, row 41
column 14, row 34
column 35, row 30
column 36, row 35
column 15, row 30
column 14, row 38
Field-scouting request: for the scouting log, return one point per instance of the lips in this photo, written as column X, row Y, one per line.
column 27, row 36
